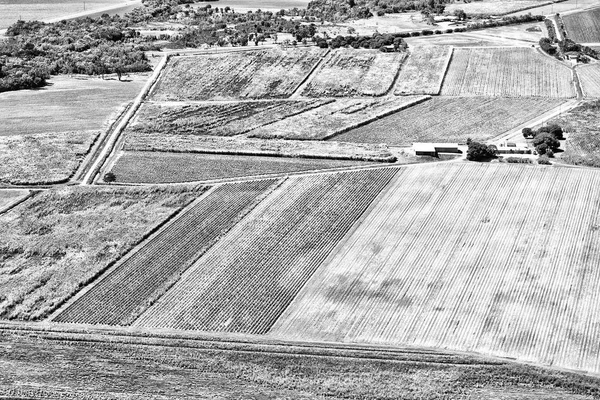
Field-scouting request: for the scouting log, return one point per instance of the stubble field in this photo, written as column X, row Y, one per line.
column 460, row 256
column 589, row 77
column 506, row 72
column 424, row 70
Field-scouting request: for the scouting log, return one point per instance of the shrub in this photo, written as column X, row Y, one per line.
column 527, row 133
column 517, row 160
column 548, row 139
column 554, row 129
column 416, row 33
column 109, row 177
column 544, row 161
column 449, row 30
column 480, row 152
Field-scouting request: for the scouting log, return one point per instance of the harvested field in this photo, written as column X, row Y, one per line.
column 216, row 119
column 351, row 72
column 589, row 78
column 68, row 104
column 334, row 118
column 495, row 7
column 424, row 70
column 56, row 242
column 8, row 197
column 161, row 167
column 248, row 278
column 145, row 275
column 582, row 132
column 259, row 147
column 451, row 119
column 48, row 365
column 43, row 158
column 272, row 73
column 458, row 256
column 583, row 27
column 506, row 72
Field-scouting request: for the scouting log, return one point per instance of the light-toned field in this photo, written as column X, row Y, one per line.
column 451, row 119
column 248, row 278
column 492, row 258
column 162, row 167
column 218, row 119
column 146, row 274
column 334, row 118
column 56, row 242
column 69, row 104
column 507, row 72
column 271, row 73
column 560, row 7
column 43, row 158
column 8, row 197
column 352, row 72
column 583, row 27
column 589, row 78
column 258, row 147
column 495, row 7
column 424, row 70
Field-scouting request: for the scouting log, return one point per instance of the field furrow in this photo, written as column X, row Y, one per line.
column 589, row 77
column 147, row 273
column 245, row 281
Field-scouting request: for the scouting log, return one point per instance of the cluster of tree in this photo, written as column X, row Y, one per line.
column 479, row 151
column 376, row 41
column 15, row 76
column 545, row 139
column 339, row 10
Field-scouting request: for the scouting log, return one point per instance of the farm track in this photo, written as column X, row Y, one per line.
column 147, row 273
column 249, row 277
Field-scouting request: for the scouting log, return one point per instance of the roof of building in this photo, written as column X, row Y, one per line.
column 424, row 147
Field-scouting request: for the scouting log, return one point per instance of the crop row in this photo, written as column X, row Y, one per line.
column 245, row 281
column 506, row 72
column 272, row 73
column 424, row 70
column 145, row 274
column 462, row 257
column 583, row 27
column 589, row 77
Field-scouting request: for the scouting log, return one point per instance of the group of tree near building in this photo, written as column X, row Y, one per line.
column 546, row 139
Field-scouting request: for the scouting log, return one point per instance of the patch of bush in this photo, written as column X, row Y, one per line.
column 479, row 151
column 517, row 160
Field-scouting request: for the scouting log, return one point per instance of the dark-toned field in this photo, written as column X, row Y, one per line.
column 155, row 167
column 583, row 27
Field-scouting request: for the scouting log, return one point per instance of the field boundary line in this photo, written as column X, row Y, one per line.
column 446, row 67
column 106, row 271
column 392, row 89
column 19, row 201
column 107, row 150
column 308, row 78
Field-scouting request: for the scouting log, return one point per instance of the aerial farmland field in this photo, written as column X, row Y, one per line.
column 583, row 27
column 57, row 241
column 495, row 7
column 451, row 119
column 424, row 70
column 352, row 72
column 506, row 72
column 334, row 118
column 43, row 158
column 248, row 278
column 165, row 167
column 271, row 73
column 589, row 77
column 218, row 119
column 490, row 258
column 8, row 197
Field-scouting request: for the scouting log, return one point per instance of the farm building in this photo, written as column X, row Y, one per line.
column 446, row 147
column 424, row 149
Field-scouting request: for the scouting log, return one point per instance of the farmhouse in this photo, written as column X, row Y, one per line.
column 425, row 149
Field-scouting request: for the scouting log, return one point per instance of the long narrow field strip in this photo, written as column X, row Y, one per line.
column 216, row 119
column 161, row 167
column 351, row 72
column 147, row 273
column 424, row 70
column 589, row 77
column 334, row 118
column 506, row 72
column 583, row 27
column 272, row 73
column 491, row 258
column 245, row 281
column 451, row 119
